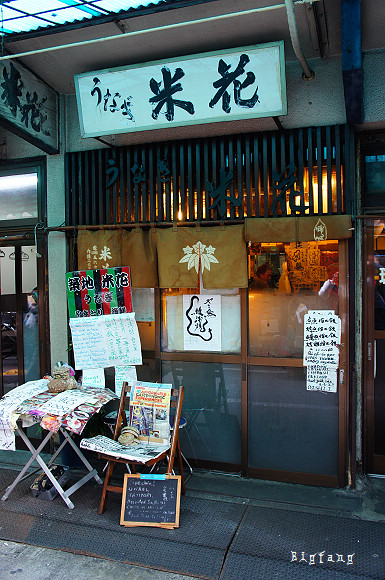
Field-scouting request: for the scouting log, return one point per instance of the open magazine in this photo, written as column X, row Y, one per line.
column 150, row 411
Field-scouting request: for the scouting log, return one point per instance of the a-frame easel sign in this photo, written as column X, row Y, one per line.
column 151, row 500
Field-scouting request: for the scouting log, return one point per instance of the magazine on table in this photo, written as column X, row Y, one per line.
column 150, row 411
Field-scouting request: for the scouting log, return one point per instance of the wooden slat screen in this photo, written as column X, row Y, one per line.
column 222, row 178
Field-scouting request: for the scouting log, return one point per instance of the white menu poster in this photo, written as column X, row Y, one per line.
column 322, row 335
column 321, row 378
column 106, row 341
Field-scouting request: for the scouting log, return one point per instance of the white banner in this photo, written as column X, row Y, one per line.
column 246, row 82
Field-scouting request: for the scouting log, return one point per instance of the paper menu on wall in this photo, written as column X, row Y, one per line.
column 322, row 335
column 106, row 341
column 321, row 378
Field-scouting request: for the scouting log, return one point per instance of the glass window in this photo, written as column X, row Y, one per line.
column 174, row 320
column 375, row 174
column 211, row 407
column 287, row 280
column 18, row 199
column 290, row 428
column 143, row 303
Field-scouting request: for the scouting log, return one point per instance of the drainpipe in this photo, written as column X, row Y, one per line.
column 308, row 74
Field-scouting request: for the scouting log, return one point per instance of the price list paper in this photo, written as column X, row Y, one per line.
column 322, row 336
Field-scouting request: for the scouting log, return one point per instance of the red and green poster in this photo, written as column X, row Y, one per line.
column 98, row 292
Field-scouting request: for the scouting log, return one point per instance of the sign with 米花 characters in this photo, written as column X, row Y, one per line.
column 28, row 106
column 247, row 82
column 99, row 292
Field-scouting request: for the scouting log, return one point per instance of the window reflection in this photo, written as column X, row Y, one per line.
column 285, row 282
column 379, row 275
column 18, row 196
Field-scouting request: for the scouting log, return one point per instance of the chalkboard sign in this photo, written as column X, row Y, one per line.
column 151, row 500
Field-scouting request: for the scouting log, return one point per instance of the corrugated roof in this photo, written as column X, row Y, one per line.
column 21, row 16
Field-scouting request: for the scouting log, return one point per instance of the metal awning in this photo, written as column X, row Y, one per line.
column 21, row 16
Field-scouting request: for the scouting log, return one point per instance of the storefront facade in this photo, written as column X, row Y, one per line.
column 246, row 403
column 195, row 210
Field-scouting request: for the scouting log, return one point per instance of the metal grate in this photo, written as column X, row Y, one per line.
column 298, row 172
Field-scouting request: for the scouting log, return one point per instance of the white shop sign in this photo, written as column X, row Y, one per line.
column 247, row 82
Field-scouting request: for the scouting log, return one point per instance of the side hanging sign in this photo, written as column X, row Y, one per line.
column 28, row 106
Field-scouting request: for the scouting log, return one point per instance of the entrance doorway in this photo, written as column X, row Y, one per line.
column 374, row 344
column 20, row 359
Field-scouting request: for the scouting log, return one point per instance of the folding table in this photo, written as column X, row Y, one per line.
column 67, row 440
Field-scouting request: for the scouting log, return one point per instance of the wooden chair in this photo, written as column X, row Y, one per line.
column 169, row 455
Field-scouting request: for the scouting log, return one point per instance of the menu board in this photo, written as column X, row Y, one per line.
column 151, row 500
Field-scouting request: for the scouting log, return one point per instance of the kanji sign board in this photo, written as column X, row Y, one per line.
column 247, row 82
column 99, row 292
column 28, row 106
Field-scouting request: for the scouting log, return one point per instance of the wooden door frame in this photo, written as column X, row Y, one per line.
column 372, row 463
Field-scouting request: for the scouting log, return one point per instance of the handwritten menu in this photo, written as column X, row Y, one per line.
column 65, row 402
column 151, row 500
column 93, row 378
column 322, row 336
column 106, row 341
column 321, row 378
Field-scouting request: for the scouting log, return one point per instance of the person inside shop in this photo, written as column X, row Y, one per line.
column 261, row 279
column 329, row 289
column 31, row 338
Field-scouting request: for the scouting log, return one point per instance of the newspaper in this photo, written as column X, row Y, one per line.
column 150, row 410
column 142, row 452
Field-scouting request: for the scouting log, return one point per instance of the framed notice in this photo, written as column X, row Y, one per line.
column 151, row 500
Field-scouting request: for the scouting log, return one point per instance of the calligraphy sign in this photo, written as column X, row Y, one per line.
column 212, row 87
column 28, row 107
column 202, row 322
column 98, row 292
